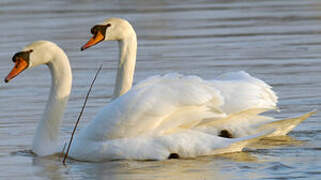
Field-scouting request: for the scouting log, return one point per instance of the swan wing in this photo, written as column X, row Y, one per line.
column 173, row 103
column 241, row 91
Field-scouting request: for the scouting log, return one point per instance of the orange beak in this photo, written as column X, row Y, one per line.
column 94, row 40
column 19, row 66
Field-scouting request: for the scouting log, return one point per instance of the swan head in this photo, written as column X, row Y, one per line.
column 34, row 54
column 112, row 29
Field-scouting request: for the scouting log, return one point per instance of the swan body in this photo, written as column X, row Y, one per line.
column 159, row 116
column 145, row 124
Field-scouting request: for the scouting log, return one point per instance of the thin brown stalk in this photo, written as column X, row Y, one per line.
column 80, row 114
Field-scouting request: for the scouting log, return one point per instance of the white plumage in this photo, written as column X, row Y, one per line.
column 179, row 114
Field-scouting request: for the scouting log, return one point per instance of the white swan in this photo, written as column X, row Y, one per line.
column 43, row 52
column 163, row 116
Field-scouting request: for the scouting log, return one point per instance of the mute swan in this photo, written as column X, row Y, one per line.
column 161, row 117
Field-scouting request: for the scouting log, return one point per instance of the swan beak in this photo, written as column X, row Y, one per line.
column 98, row 37
column 20, row 65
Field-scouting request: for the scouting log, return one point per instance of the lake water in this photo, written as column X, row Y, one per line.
column 277, row 41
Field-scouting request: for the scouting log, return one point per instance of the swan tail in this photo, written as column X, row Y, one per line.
column 284, row 126
column 238, row 124
column 239, row 143
column 249, row 122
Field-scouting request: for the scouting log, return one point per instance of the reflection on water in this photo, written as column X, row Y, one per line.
column 277, row 41
column 200, row 168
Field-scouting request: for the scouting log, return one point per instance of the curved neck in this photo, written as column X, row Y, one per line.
column 46, row 138
column 126, row 65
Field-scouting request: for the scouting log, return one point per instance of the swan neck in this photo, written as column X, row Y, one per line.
column 126, row 65
column 45, row 141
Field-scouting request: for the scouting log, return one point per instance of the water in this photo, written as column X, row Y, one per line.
column 277, row 41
